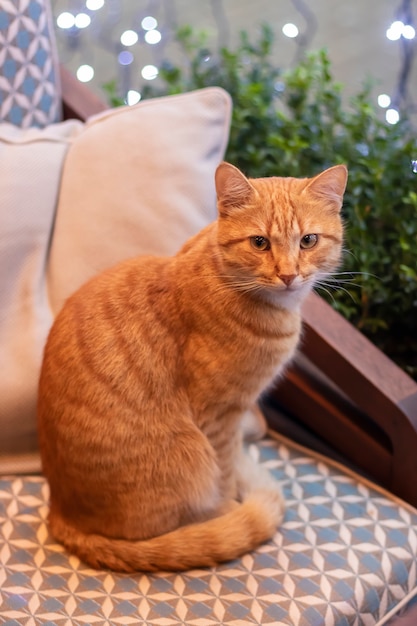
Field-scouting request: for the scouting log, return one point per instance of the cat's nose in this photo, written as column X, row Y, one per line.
column 287, row 279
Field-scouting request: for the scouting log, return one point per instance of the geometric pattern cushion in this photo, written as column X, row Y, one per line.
column 345, row 555
column 29, row 80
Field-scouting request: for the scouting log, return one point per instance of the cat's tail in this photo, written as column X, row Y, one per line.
column 203, row 544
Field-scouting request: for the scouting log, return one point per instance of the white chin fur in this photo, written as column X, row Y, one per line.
column 290, row 298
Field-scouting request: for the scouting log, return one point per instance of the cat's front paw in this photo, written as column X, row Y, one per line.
column 253, row 424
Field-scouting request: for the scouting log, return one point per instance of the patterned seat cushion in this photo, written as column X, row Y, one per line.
column 29, row 82
column 346, row 555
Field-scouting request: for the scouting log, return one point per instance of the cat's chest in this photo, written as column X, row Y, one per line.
column 241, row 357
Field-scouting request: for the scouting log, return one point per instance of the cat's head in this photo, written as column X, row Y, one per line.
column 278, row 236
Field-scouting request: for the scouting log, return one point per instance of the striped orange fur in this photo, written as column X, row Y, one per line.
column 150, row 366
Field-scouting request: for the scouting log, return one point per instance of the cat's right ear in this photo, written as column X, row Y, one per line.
column 232, row 187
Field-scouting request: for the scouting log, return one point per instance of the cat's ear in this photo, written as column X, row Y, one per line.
column 329, row 186
column 232, row 187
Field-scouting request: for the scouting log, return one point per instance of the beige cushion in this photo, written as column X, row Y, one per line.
column 30, row 165
column 139, row 180
column 135, row 180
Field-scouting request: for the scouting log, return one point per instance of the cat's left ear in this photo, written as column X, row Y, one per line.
column 329, row 186
column 232, row 187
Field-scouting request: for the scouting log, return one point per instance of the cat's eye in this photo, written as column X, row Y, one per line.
column 309, row 241
column 260, row 243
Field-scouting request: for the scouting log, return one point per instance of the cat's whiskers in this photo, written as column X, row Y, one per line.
column 243, row 285
column 326, row 286
column 230, row 282
column 336, row 282
column 329, row 293
column 328, row 282
column 354, row 274
column 347, row 251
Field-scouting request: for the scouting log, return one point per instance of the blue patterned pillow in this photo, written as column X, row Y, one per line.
column 29, row 80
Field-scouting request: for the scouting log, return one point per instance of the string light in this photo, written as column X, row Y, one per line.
column 392, row 116
column 401, row 28
column 125, row 57
column 133, row 97
column 395, row 31
column 65, row 20
column 82, row 20
column 129, row 38
column 384, row 100
column 398, row 29
column 290, row 30
column 85, row 73
column 409, row 31
column 149, row 23
column 153, row 36
column 94, row 5
column 149, row 72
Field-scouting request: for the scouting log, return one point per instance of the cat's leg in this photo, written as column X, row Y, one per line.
column 249, row 482
column 251, row 477
column 253, row 424
column 255, row 485
column 195, row 475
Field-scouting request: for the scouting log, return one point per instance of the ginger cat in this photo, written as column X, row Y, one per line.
column 150, row 366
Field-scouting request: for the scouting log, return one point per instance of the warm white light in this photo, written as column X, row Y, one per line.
column 395, row 31
column 94, row 5
column 392, row 116
column 153, row 36
column 132, row 97
column 129, row 38
column 384, row 100
column 409, row 32
column 149, row 23
column 85, row 73
column 149, row 72
column 82, row 20
column 290, row 30
column 65, row 20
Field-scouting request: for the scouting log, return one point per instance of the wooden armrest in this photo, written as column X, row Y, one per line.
column 369, row 409
column 78, row 102
column 378, row 386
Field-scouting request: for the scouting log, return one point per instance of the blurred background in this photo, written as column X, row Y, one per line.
column 127, row 42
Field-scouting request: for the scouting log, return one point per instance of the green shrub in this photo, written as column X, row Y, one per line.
column 296, row 123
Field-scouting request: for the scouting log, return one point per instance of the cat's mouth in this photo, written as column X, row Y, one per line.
column 297, row 285
column 279, row 287
column 289, row 283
